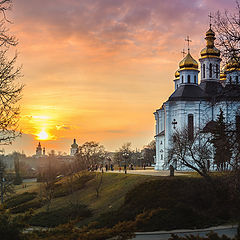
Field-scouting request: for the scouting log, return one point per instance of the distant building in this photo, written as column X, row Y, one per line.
column 39, row 151
column 74, row 148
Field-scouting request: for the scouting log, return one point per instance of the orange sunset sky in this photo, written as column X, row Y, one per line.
column 98, row 69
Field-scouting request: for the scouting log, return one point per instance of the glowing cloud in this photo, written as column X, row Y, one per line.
column 43, row 135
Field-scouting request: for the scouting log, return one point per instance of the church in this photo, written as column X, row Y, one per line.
column 196, row 102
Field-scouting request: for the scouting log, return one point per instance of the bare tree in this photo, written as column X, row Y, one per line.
column 90, row 153
column 149, row 151
column 227, row 27
column 10, row 90
column 6, row 182
column 193, row 153
column 118, row 155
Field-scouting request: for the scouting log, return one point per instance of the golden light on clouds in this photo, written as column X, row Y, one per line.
column 99, row 73
column 43, row 135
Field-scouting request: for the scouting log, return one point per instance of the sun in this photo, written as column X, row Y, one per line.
column 42, row 135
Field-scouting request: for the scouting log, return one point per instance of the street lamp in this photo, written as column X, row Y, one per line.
column 125, row 156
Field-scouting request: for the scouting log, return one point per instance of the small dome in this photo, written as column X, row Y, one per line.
column 177, row 74
column 223, row 76
column 210, row 33
column 210, row 50
column 188, row 62
column 74, row 145
column 233, row 64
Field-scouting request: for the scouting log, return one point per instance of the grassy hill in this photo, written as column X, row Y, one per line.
column 154, row 203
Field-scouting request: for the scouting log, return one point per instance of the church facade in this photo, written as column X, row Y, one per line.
column 200, row 93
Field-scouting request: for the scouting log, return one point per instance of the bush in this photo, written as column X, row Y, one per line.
column 20, row 199
column 59, row 216
column 63, row 189
column 178, row 202
column 34, row 204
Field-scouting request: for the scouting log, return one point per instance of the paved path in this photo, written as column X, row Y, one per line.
column 150, row 172
column 229, row 231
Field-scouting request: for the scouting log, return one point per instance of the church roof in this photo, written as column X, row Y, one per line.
column 211, row 87
column 188, row 93
column 231, row 92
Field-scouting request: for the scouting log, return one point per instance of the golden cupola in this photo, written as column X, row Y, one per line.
column 188, row 63
column 177, row 74
column 233, row 64
column 210, row 51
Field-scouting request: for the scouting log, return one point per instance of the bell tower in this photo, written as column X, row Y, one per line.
column 210, row 58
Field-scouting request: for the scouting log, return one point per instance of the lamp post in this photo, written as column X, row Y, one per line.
column 125, row 156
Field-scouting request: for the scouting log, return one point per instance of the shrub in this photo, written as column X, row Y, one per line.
column 60, row 216
column 20, row 199
column 34, row 204
column 180, row 203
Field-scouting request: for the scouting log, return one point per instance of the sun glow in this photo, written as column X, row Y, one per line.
column 43, row 135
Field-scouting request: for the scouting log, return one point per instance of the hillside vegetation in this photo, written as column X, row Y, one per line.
column 151, row 203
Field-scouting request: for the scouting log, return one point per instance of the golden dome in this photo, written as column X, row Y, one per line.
column 233, row 64
column 177, row 74
column 188, row 63
column 210, row 50
column 210, row 32
column 223, row 76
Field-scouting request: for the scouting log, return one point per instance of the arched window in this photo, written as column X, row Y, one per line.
column 203, row 70
column 190, row 127
column 188, row 79
column 210, row 70
column 195, row 79
column 182, row 79
column 236, row 78
column 217, row 70
column 230, row 79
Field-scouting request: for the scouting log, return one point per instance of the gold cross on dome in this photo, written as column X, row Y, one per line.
column 188, row 40
column 183, row 52
column 210, row 19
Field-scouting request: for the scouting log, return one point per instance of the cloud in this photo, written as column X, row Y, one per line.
column 99, row 68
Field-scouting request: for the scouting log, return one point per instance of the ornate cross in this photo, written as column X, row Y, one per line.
column 174, row 123
column 188, row 40
column 183, row 52
column 210, row 19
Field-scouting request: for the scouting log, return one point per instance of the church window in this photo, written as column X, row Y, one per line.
column 195, row 79
column 190, row 126
column 161, row 157
column 188, row 78
column 217, row 70
column 161, row 142
column 182, row 79
column 236, row 79
column 204, row 70
column 210, row 70
column 230, row 79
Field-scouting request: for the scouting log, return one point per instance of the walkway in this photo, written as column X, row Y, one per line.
column 230, row 231
column 150, row 172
